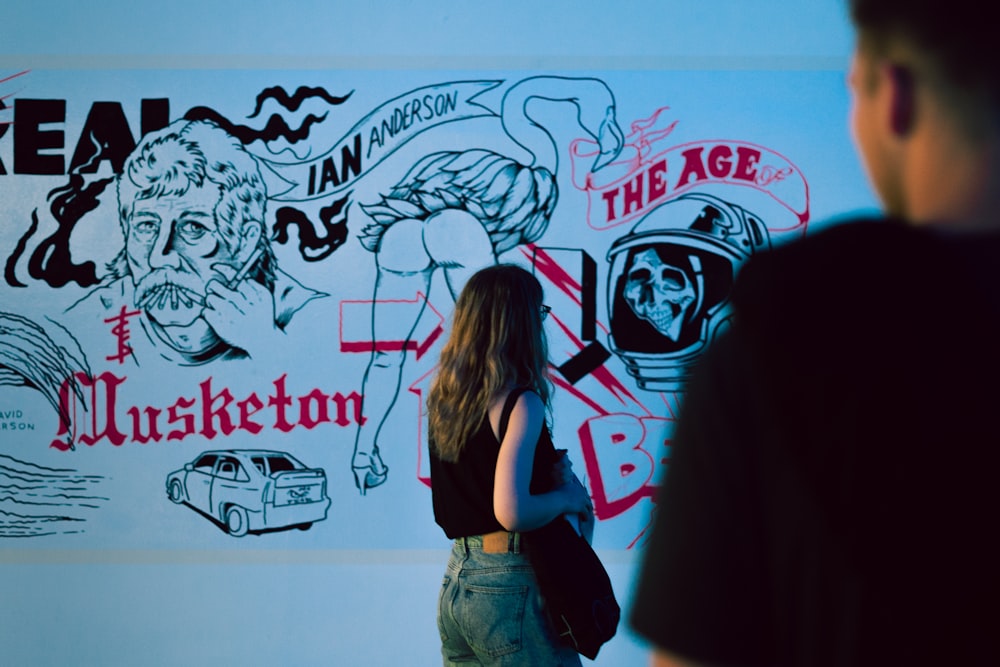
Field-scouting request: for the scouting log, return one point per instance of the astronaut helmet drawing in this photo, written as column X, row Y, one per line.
column 669, row 283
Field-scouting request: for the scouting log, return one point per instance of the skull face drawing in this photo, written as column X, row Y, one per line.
column 669, row 282
column 658, row 292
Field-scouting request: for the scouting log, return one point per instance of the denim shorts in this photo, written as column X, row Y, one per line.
column 490, row 612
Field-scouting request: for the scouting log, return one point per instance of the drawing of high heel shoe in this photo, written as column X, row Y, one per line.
column 371, row 473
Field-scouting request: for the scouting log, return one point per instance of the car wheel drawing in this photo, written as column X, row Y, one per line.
column 176, row 492
column 236, row 521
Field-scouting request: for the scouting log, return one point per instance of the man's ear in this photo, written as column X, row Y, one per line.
column 902, row 99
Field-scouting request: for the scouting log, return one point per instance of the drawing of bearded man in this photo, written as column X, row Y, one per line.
column 197, row 263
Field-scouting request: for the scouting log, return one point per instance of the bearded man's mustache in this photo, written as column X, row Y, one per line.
column 162, row 289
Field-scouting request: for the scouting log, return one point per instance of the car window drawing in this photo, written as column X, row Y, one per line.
column 251, row 490
column 205, row 463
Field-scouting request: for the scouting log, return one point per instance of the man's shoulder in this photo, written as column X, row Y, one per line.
column 854, row 290
column 868, row 288
column 865, row 240
column 852, row 261
column 108, row 295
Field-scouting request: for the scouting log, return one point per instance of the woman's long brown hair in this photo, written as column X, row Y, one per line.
column 496, row 341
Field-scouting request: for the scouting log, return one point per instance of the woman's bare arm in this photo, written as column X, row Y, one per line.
column 514, row 506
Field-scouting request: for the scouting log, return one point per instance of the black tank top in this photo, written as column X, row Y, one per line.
column 462, row 491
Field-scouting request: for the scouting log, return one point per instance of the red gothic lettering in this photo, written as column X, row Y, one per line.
column 152, row 414
column 106, row 398
column 174, row 416
column 248, row 407
column 317, row 398
column 214, row 413
column 280, row 401
column 210, row 413
column 342, row 414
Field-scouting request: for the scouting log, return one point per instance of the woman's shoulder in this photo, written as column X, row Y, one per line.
column 522, row 397
column 525, row 399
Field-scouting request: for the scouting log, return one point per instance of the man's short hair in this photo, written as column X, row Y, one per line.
column 959, row 34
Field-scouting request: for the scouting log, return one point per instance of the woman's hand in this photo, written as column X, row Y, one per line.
column 577, row 498
column 583, row 521
column 569, row 483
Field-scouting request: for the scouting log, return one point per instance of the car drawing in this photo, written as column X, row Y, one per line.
column 251, row 490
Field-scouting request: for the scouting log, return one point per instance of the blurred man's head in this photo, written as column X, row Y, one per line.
column 958, row 34
column 926, row 100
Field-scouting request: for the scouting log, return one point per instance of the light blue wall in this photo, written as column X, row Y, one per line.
column 444, row 29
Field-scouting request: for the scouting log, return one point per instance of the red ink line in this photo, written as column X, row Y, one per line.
column 562, row 384
column 14, row 76
column 422, row 348
column 555, row 273
column 604, row 376
column 668, row 406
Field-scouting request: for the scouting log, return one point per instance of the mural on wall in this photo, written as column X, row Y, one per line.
column 215, row 297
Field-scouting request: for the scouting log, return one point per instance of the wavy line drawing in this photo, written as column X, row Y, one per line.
column 29, row 357
column 16, row 525
column 298, row 98
column 275, row 128
column 36, row 500
column 312, row 246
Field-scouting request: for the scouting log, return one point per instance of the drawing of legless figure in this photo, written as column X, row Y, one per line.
column 458, row 211
column 197, row 265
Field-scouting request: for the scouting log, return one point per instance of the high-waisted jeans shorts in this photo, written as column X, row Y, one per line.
column 491, row 613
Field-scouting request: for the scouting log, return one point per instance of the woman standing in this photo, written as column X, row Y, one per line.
column 496, row 474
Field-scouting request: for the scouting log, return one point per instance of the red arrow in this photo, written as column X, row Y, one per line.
column 356, row 325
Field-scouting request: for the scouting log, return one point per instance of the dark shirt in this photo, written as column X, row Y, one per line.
column 831, row 499
column 462, row 491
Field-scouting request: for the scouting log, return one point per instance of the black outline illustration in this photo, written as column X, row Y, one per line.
column 46, row 501
column 238, row 505
column 458, row 211
column 29, row 357
column 184, row 296
column 669, row 281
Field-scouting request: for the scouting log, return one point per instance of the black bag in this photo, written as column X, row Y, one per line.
column 574, row 584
